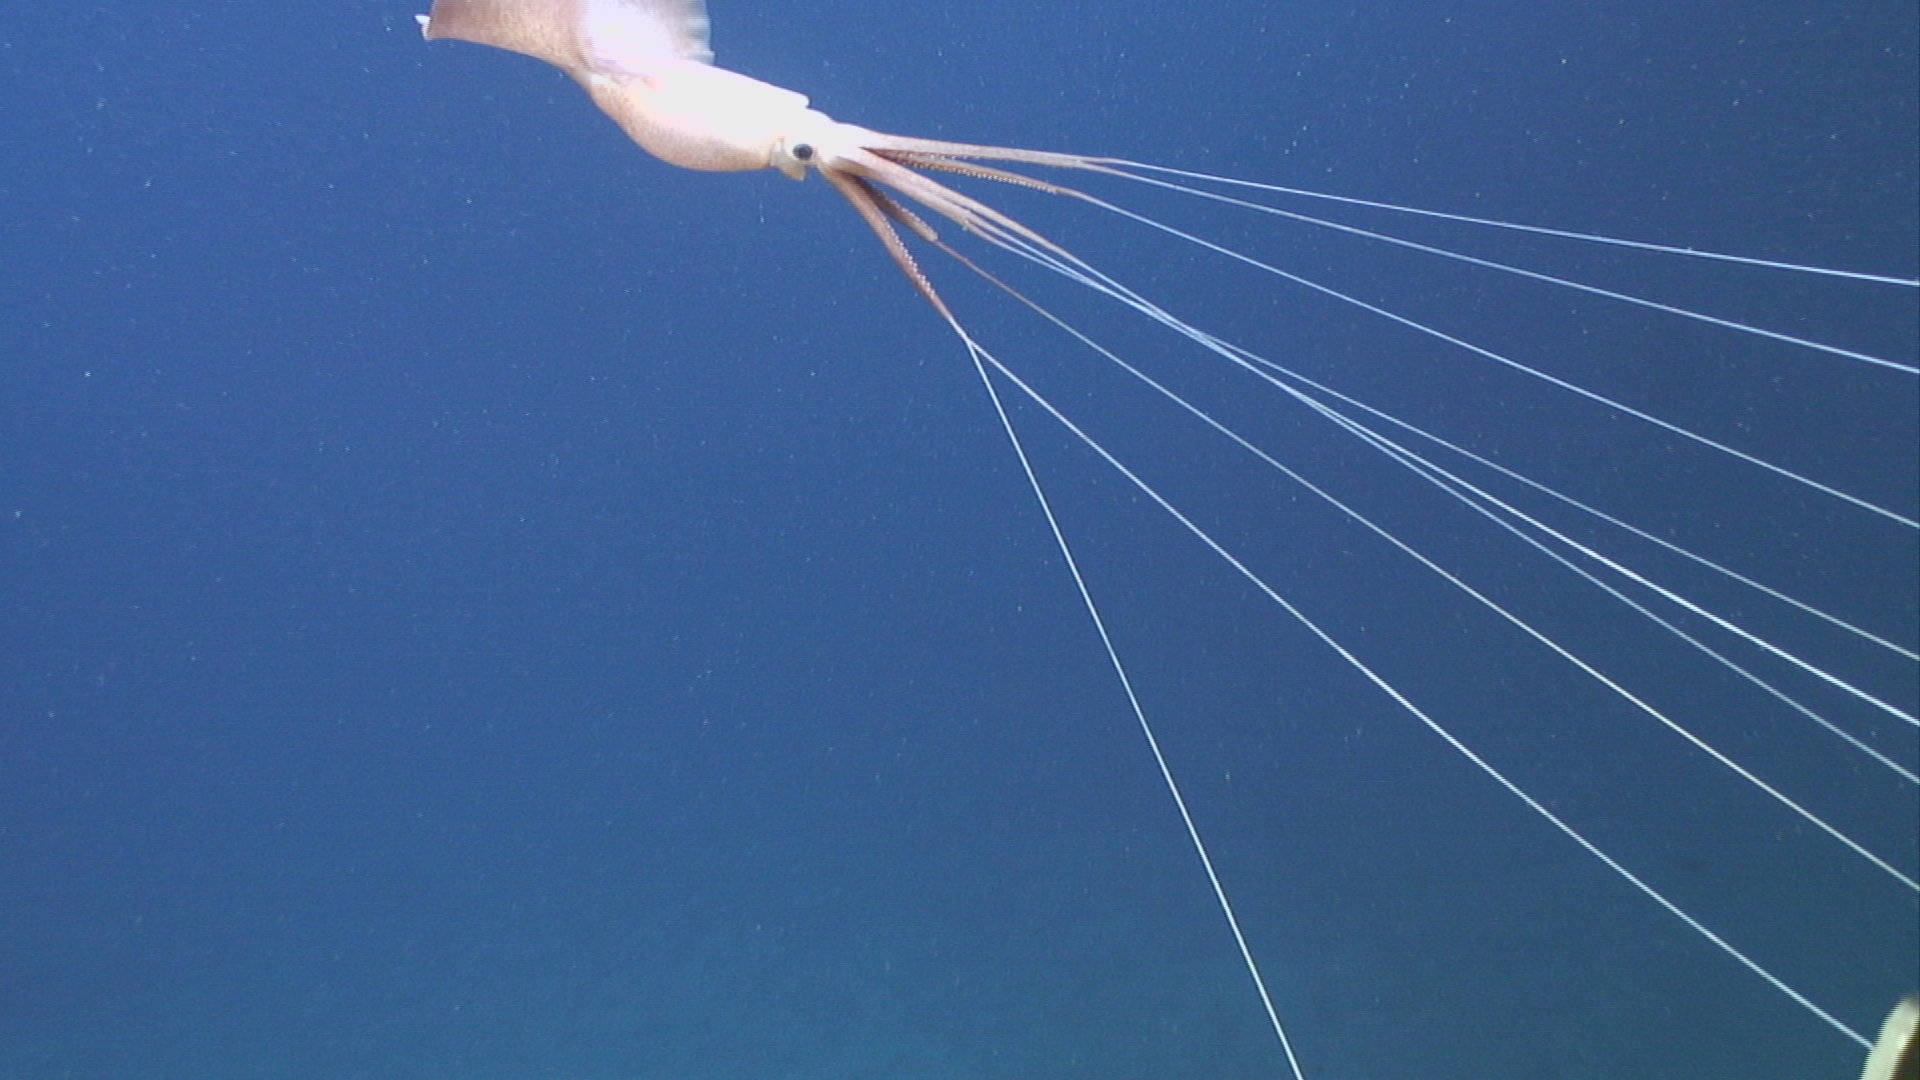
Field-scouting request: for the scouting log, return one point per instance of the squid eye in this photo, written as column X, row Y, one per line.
column 802, row 151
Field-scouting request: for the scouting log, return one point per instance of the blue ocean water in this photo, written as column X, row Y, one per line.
column 478, row 603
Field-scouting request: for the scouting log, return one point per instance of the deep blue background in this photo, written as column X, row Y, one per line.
column 476, row 602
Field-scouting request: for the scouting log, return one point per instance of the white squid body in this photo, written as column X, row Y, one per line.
column 647, row 64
